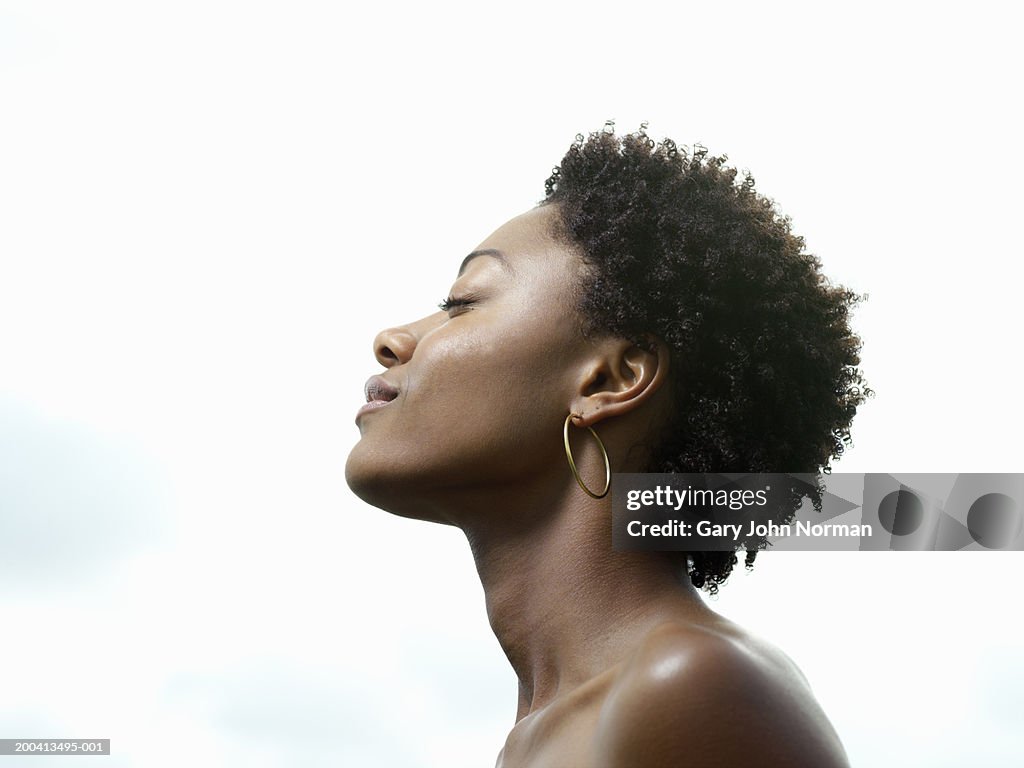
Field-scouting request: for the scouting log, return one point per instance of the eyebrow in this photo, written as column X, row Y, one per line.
column 486, row 252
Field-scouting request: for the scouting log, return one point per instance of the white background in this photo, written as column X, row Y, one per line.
column 208, row 209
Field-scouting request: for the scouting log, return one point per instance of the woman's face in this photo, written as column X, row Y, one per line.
column 482, row 389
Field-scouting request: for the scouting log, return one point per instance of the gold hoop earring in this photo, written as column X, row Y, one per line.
column 572, row 464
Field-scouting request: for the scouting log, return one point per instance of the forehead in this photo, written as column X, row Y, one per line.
column 525, row 247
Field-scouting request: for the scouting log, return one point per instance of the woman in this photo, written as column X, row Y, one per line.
column 667, row 318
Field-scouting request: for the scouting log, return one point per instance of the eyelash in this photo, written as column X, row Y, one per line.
column 451, row 302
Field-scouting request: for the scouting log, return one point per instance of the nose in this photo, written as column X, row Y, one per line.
column 394, row 346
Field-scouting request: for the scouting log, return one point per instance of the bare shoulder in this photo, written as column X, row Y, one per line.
column 699, row 696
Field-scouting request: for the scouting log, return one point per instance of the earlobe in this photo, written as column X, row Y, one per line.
column 621, row 378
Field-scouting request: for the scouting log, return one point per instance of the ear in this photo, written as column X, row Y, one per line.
column 618, row 378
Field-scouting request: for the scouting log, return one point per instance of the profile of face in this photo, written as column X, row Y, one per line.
column 482, row 389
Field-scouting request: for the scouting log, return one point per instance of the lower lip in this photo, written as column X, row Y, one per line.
column 373, row 405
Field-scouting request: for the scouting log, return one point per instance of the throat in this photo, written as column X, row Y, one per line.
column 566, row 608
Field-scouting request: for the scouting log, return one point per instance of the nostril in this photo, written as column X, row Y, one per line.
column 386, row 353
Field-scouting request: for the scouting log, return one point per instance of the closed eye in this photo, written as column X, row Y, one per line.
column 451, row 302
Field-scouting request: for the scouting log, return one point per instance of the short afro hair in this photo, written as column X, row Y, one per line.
column 763, row 362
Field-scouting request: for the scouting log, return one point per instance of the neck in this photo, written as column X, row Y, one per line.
column 563, row 604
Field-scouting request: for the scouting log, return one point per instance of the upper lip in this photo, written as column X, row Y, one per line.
column 378, row 389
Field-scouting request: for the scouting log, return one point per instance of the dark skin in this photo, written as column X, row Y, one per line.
column 619, row 663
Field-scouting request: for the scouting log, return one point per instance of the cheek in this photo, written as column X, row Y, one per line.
column 483, row 396
column 474, row 379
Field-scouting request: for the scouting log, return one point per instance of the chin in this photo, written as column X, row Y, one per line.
column 375, row 480
column 365, row 474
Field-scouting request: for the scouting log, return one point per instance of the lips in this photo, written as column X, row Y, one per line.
column 378, row 389
column 378, row 394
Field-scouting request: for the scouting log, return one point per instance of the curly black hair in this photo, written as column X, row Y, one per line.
column 763, row 362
